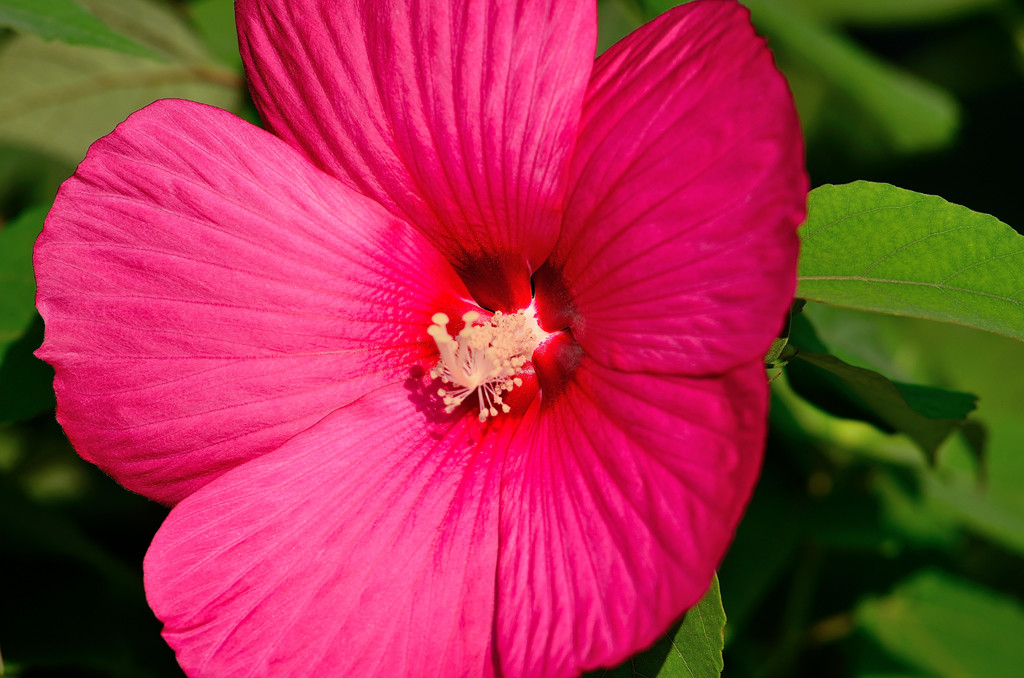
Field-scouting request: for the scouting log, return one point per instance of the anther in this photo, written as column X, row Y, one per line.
column 484, row 357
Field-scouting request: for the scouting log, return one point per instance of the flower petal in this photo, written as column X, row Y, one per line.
column 460, row 115
column 618, row 501
column 678, row 251
column 365, row 546
column 208, row 294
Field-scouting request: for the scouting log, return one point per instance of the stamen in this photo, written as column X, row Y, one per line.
column 483, row 357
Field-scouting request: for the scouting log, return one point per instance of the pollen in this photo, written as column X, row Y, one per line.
column 485, row 356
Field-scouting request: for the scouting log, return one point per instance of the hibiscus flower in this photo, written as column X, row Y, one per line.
column 453, row 370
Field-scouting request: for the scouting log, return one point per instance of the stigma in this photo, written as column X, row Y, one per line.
column 485, row 357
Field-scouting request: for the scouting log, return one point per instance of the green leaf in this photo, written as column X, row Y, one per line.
column 59, row 98
column 691, row 649
column 952, row 356
column 17, row 282
column 879, row 248
column 67, row 21
column 990, row 504
column 948, row 627
column 928, row 416
column 937, row 403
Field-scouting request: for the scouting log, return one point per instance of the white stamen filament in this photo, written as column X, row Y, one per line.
column 483, row 357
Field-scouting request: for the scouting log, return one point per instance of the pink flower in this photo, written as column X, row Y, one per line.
column 249, row 326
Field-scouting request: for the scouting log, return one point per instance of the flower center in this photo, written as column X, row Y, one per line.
column 485, row 356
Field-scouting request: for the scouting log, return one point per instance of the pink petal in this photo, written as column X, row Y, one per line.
column 459, row 115
column 365, row 546
column 678, row 252
column 618, row 501
column 208, row 294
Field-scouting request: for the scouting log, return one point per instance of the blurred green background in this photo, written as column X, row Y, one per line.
column 856, row 558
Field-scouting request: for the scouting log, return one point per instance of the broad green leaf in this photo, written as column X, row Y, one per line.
column 909, row 113
column 17, row 282
column 937, row 403
column 59, row 98
column 954, row 357
column 925, row 414
column 880, row 248
column 948, row 627
column 67, row 21
column 989, row 505
column 691, row 649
